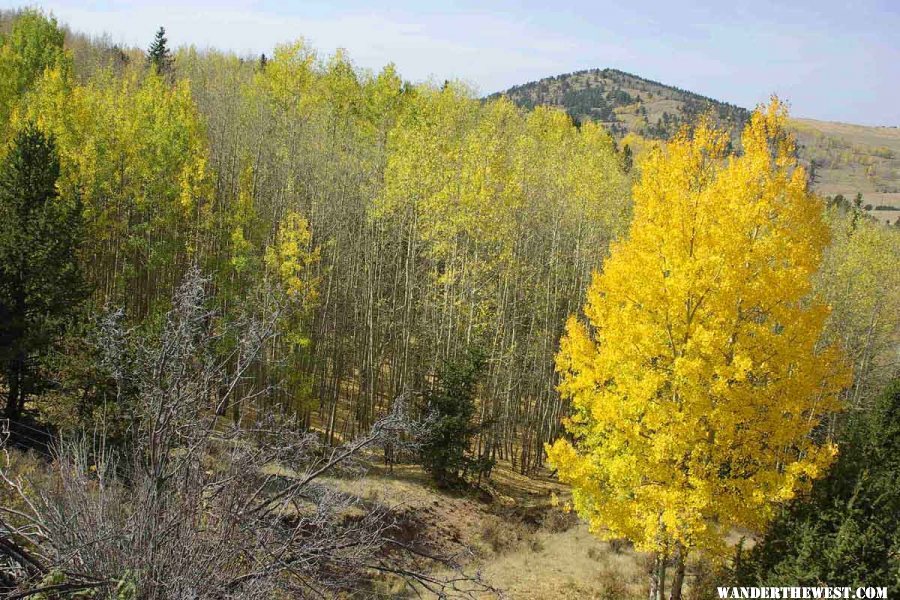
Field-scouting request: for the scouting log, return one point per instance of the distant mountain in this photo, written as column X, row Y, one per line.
column 842, row 159
column 624, row 102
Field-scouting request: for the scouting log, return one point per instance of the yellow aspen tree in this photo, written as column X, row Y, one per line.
column 134, row 150
column 860, row 281
column 33, row 44
column 383, row 98
column 698, row 382
column 292, row 257
column 289, row 76
column 291, row 262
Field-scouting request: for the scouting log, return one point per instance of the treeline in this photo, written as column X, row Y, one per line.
column 397, row 225
column 206, row 257
column 597, row 94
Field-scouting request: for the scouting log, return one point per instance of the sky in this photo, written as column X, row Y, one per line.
column 830, row 59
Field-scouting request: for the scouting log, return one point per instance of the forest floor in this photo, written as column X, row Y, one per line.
column 511, row 533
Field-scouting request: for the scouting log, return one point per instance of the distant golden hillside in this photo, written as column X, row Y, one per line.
column 849, row 159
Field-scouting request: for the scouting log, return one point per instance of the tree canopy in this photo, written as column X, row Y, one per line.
column 697, row 380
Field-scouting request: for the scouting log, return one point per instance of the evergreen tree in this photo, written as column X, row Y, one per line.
column 158, row 55
column 445, row 453
column 845, row 532
column 627, row 158
column 40, row 283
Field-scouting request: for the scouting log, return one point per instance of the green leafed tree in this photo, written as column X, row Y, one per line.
column 40, row 282
column 159, row 57
column 845, row 532
column 34, row 43
column 451, row 408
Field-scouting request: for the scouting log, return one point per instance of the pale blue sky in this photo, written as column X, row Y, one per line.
column 831, row 59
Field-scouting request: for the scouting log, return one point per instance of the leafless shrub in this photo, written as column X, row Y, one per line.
column 613, row 586
column 618, row 545
column 192, row 507
column 556, row 520
column 504, row 537
column 703, row 579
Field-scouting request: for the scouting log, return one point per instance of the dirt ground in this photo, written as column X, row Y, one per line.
column 513, row 535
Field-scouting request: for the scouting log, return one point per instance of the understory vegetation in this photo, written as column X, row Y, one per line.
column 231, row 286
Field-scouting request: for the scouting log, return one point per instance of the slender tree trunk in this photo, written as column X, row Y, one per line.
column 663, row 563
column 16, row 399
column 654, row 577
column 678, row 578
column 657, row 577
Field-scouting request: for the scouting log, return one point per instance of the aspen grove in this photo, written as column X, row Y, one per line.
column 230, row 285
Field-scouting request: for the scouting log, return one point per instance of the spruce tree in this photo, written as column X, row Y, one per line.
column 845, row 532
column 451, row 409
column 158, row 55
column 40, row 282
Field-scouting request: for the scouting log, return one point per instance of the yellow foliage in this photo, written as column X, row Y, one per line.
column 482, row 181
column 639, row 145
column 698, row 379
column 288, row 77
column 134, row 151
column 33, row 45
column 291, row 259
column 859, row 279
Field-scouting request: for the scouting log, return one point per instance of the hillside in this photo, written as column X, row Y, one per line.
column 851, row 159
column 844, row 159
column 624, row 102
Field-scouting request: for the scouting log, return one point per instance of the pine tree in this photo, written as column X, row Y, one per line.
column 445, row 453
column 846, row 531
column 40, row 282
column 158, row 55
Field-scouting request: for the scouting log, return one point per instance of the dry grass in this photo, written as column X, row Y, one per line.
column 860, row 147
column 568, row 564
column 518, row 541
column 860, row 134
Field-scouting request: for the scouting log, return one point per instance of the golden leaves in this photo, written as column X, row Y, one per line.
column 700, row 378
column 292, row 257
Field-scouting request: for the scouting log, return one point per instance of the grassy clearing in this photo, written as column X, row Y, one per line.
column 518, row 541
column 852, row 159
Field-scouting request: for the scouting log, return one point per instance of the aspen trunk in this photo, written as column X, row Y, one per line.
column 654, row 578
column 678, row 577
column 657, row 577
column 663, row 563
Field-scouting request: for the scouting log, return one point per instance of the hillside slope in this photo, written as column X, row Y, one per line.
column 854, row 159
column 844, row 159
column 624, row 102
